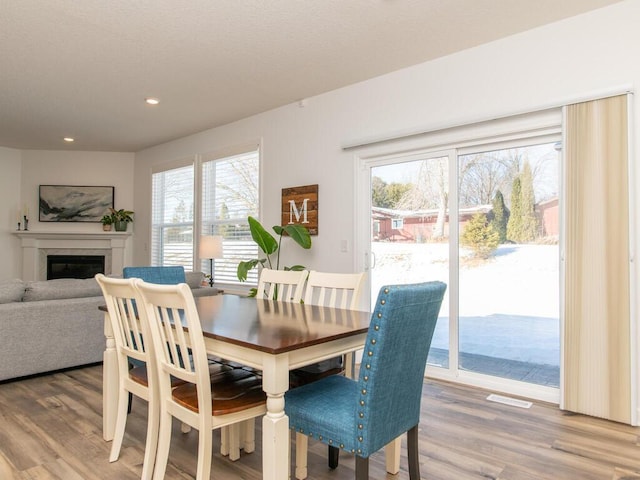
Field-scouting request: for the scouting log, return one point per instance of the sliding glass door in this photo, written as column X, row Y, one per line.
column 485, row 220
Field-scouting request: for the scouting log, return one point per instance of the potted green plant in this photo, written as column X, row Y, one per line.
column 270, row 247
column 121, row 218
column 107, row 222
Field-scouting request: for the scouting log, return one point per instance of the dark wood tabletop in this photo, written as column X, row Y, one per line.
column 276, row 327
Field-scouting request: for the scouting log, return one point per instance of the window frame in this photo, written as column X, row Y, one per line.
column 197, row 162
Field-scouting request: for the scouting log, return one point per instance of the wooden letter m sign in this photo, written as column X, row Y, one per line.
column 300, row 207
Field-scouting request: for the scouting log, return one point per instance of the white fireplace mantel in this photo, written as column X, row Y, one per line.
column 36, row 245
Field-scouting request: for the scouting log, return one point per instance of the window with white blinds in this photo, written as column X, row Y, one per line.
column 229, row 195
column 172, row 213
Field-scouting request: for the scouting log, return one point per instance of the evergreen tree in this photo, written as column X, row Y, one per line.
column 500, row 216
column 480, row 236
column 514, row 226
column 527, row 206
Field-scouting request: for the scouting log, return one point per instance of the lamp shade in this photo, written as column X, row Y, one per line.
column 211, row 246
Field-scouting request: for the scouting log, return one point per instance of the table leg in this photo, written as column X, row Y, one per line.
column 275, row 424
column 109, row 382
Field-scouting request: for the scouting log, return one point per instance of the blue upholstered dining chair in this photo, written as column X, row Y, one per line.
column 171, row 275
column 362, row 416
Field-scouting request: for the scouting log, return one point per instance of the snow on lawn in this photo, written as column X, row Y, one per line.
column 509, row 304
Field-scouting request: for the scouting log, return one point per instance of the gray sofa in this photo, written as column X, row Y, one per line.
column 55, row 324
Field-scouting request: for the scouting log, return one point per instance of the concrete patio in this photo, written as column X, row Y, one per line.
column 508, row 346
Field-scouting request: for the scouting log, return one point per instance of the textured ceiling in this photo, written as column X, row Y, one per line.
column 82, row 68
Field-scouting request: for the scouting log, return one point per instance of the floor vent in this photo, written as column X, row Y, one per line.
column 514, row 402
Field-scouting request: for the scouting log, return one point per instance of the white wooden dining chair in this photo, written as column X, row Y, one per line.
column 204, row 401
column 172, row 275
column 128, row 335
column 339, row 290
column 282, row 285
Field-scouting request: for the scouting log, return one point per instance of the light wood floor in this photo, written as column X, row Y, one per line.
column 51, row 428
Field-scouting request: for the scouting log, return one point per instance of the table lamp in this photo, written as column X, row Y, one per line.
column 211, row 247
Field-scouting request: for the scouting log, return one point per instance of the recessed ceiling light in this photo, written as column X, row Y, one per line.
column 152, row 101
column 68, row 139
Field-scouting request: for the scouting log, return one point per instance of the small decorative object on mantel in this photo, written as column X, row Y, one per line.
column 23, row 218
column 300, row 207
column 107, row 223
column 120, row 218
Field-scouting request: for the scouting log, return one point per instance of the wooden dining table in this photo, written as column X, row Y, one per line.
column 274, row 337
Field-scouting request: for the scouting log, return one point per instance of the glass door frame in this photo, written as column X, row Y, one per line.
column 364, row 261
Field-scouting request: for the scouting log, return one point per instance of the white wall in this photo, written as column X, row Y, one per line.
column 10, row 168
column 578, row 57
column 45, row 167
column 23, row 171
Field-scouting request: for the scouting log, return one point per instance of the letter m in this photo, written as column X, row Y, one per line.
column 294, row 212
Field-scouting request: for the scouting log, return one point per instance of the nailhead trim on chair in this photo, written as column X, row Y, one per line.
column 365, row 377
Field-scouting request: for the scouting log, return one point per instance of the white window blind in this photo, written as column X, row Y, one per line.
column 229, row 195
column 172, row 217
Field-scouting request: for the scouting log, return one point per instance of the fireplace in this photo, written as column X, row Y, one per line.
column 37, row 246
column 74, row 266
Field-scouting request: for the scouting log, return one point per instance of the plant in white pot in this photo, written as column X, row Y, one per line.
column 107, row 222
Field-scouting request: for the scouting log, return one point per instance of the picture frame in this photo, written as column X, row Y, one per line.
column 74, row 203
column 300, row 207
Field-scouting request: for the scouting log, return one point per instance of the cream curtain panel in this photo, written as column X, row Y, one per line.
column 597, row 347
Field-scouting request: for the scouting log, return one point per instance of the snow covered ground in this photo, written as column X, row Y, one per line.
column 509, row 304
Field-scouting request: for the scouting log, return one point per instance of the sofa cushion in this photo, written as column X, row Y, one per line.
column 11, row 290
column 61, row 288
column 194, row 279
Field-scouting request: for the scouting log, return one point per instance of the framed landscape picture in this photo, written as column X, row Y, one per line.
column 73, row 203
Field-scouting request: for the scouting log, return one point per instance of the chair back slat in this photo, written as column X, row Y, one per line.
column 131, row 330
column 173, row 338
column 282, row 285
